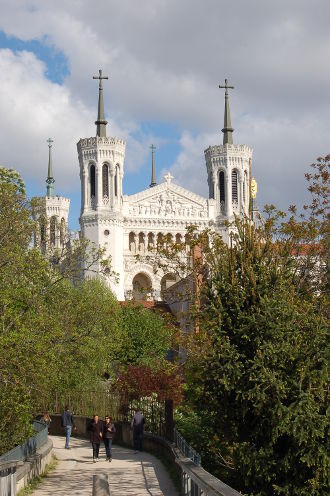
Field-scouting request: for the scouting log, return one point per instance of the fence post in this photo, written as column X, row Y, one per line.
column 169, row 420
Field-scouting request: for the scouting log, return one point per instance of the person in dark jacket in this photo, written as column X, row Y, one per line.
column 137, row 425
column 68, row 424
column 108, row 431
column 95, row 429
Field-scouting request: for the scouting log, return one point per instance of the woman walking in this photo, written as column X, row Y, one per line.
column 108, row 431
column 95, row 429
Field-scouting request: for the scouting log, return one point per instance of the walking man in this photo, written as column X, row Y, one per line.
column 108, row 431
column 137, row 424
column 68, row 424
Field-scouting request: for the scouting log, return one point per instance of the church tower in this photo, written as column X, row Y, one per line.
column 228, row 168
column 101, row 161
column 53, row 216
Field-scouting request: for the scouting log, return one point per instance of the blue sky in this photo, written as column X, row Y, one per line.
column 56, row 71
column 165, row 61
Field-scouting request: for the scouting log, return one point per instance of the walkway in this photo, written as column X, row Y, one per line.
column 129, row 474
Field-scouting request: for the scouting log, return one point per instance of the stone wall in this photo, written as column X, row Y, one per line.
column 34, row 465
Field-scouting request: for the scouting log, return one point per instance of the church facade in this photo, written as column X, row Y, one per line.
column 131, row 225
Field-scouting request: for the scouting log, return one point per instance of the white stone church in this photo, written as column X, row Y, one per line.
column 127, row 225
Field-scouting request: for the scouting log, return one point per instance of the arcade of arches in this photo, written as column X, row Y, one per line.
column 142, row 285
column 143, row 242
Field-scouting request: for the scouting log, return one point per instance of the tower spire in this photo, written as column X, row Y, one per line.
column 153, row 173
column 101, row 123
column 227, row 129
column 50, row 180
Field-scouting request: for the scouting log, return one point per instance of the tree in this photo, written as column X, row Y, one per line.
column 145, row 337
column 257, row 370
column 56, row 332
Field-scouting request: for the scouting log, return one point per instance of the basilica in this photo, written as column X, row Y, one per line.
column 131, row 225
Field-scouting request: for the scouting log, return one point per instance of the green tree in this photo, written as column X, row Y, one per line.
column 257, row 377
column 145, row 336
column 55, row 332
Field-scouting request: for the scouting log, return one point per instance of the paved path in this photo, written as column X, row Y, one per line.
column 129, row 474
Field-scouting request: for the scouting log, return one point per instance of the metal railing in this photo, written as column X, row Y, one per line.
column 198, row 482
column 31, row 445
column 104, row 402
column 8, row 478
column 186, row 449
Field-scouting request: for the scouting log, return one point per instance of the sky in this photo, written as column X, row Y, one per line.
column 165, row 60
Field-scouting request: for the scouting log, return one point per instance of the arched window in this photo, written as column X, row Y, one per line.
column 116, row 180
column 43, row 234
column 142, row 287
column 151, row 241
column 62, row 232
column 141, row 242
column 160, row 241
column 178, row 238
column 222, row 190
column 52, row 231
column 131, row 242
column 105, row 181
column 234, row 188
column 92, row 180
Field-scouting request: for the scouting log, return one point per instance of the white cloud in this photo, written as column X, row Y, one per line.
column 165, row 59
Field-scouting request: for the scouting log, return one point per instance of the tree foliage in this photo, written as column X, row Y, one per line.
column 145, row 336
column 59, row 332
column 256, row 371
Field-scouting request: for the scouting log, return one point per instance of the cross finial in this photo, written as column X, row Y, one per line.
column 101, row 123
column 227, row 129
column 50, row 141
column 226, row 86
column 100, row 77
column 168, row 178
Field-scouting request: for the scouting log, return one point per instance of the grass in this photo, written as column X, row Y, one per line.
column 36, row 481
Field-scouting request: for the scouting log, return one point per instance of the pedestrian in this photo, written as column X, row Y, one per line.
column 108, row 431
column 95, row 428
column 137, row 425
column 68, row 424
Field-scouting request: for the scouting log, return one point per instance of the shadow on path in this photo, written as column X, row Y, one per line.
column 129, row 474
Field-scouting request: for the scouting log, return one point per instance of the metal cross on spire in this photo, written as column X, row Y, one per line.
column 153, row 172
column 50, row 180
column 227, row 129
column 101, row 122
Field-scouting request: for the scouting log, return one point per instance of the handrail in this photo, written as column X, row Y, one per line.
column 30, row 446
column 196, row 479
column 186, row 449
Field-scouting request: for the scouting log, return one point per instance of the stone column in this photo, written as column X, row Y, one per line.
column 215, row 189
column 120, row 188
column 84, row 189
column 126, row 241
column 145, row 241
column 240, row 195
